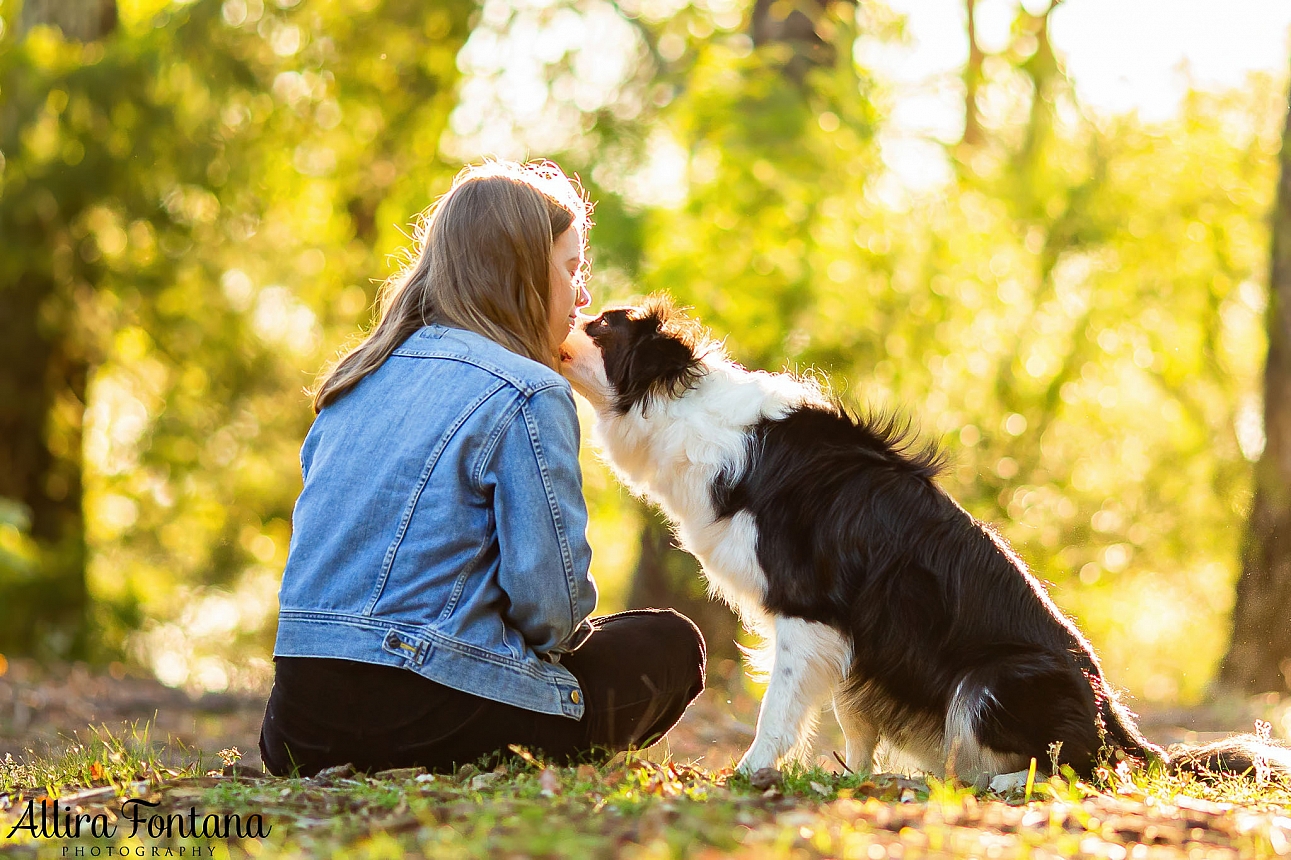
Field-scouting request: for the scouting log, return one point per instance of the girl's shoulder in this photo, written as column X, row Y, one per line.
column 443, row 343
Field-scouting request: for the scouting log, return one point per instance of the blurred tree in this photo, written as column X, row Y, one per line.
column 1070, row 308
column 1259, row 649
column 77, row 20
column 44, row 370
column 153, row 181
column 806, row 28
column 972, row 78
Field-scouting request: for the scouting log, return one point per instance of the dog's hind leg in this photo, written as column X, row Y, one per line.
column 860, row 735
column 809, row 661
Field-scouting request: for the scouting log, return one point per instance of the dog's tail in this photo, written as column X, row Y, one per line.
column 1237, row 755
column 1122, row 730
column 1244, row 754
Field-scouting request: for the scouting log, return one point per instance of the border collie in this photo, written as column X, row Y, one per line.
column 867, row 583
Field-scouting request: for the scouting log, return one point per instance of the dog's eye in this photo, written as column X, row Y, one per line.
column 599, row 322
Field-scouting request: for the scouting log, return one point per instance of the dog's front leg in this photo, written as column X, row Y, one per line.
column 809, row 662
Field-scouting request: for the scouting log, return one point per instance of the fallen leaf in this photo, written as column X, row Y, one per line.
column 399, row 774
column 523, row 753
column 483, row 780
column 324, row 776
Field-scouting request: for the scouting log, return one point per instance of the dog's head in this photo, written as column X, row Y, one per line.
column 631, row 356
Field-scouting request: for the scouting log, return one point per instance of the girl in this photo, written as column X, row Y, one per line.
column 434, row 608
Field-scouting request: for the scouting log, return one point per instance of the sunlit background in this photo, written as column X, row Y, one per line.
column 1072, row 303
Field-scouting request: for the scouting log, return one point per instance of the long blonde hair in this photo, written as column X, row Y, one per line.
column 484, row 264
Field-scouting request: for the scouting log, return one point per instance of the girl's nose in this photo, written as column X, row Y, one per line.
column 584, row 296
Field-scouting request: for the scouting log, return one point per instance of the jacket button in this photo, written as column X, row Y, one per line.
column 575, row 697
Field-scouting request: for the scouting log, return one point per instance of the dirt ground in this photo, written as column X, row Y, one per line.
column 46, row 706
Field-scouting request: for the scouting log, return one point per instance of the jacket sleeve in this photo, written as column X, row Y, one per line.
column 541, row 519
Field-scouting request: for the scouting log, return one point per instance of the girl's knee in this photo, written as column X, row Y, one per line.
column 687, row 647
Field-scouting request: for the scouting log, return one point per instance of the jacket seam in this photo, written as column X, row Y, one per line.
column 477, row 483
column 393, row 550
column 566, row 555
column 495, row 439
column 352, row 620
column 527, row 386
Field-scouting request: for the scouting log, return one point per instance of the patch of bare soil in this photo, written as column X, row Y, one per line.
column 41, row 706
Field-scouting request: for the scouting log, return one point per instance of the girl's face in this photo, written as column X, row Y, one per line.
column 568, row 292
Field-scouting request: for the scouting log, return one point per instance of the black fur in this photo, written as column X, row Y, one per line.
column 853, row 531
column 645, row 356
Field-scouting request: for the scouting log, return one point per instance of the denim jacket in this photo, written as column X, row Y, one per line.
column 442, row 526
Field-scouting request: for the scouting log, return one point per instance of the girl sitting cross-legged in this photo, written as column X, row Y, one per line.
column 436, row 600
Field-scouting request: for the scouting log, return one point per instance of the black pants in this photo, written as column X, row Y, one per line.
column 638, row 670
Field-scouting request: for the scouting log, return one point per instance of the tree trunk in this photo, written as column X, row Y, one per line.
column 43, row 612
column 798, row 25
column 44, row 609
column 972, row 80
column 80, row 20
column 1259, row 651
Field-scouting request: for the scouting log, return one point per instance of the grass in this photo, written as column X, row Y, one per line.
column 631, row 807
column 105, row 759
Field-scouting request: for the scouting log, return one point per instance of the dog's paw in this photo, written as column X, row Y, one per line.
column 1007, row 783
column 753, row 762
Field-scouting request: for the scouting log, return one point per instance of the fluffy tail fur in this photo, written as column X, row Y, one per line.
column 1237, row 755
column 1245, row 754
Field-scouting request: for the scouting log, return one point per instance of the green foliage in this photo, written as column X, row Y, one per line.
column 1077, row 316
column 200, row 207
column 17, row 551
column 203, row 204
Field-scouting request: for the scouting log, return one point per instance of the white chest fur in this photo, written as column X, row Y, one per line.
column 672, row 452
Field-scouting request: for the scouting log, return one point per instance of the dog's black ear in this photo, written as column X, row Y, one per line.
column 661, row 359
